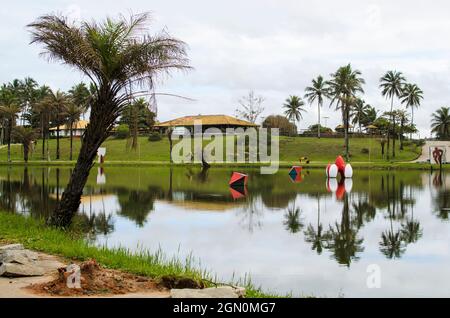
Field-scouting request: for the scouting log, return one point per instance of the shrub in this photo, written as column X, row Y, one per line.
column 365, row 150
column 122, row 132
column 154, row 136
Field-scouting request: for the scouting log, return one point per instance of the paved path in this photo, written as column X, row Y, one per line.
column 425, row 156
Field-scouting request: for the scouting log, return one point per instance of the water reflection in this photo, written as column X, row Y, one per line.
column 376, row 213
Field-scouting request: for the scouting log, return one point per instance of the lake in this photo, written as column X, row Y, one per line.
column 306, row 236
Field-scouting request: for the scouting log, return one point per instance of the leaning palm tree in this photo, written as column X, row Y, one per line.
column 26, row 136
column 440, row 123
column 9, row 111
column 118, row 56
column 72, row 114
column 294, row 106
column 392, row 84
column 345, row 83
column 411, row 96
column 317, row 91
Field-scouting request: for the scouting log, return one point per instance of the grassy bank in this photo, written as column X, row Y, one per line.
column 35, row 235
column 319, row 151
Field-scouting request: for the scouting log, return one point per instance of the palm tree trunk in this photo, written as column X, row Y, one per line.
column 96, row 133
column 43, row 138
column 71, row 139
column 57, row 140
column 25, row 152
column 9, row 139
column 346, row 111
column 318, row 126
column 412, row 120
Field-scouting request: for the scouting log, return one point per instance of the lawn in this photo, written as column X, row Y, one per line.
column 291, row 148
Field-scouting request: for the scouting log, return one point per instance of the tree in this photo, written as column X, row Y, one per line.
column 403, row 120
column 294, row 106
column 345, row 83
column 26, row 136
column 58, row 102
column 81, row 96
column 45, row 110
column 358, row 112
column 282, row 123
column 391, row 85
column 118, row 56
column 440, row 123
column 9, row 110
column 72, row 114
column 250, row 107
column 411, row 96
column 317, row 91
column 138, row 116
column 293, row 222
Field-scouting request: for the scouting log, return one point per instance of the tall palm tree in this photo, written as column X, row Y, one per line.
column 72, row 114
column 9, row 110
column 345, row 83
column 58, row 101
column 294, row 106
column 118, row 56
column 25, row 136
column 411, row 96
column 358, row 112
column 45, row 109
column 391, row 85
column 317, row 91
column 81, row 96
column 440, row 123
column 316, row 236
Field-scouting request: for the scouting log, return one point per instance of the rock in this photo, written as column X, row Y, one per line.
column 19, row 270
column 23, row 257
column 215, row 292
column 11, row 247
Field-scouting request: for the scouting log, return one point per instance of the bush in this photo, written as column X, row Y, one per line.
column 122, row 132
column 154, row 136
column 364, row 150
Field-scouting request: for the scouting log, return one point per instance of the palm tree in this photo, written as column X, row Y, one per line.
column 45, row 110
column 294, row 106
column 344, row 85
column 317, row 91
column 73, row 113
column 55, row 104
column 358, row 112
column 9, row 110
column 411, row 96
column 316, row 236
column 403, row 120
column 118, row 56
column 25, row 136
column 440, row 123
column 392, row 84
column 81, row 96
column 293, row 221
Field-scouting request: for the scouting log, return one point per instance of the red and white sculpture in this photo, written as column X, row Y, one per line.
column 339, row 167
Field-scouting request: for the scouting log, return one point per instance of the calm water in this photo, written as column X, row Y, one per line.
column 306, row 237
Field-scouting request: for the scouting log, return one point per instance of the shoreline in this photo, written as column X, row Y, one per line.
column 283, row 164
column 35, row 235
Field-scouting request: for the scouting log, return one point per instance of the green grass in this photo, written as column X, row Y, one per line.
column 319, row 151
column 35, row 235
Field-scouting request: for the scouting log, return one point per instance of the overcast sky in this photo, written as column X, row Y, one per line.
column 274, row 47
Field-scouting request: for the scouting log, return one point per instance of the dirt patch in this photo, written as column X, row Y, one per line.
column 170, row 282
column 95, row 281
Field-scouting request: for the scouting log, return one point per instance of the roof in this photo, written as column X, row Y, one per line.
column 206, row 120
column 81, row 124
column 343, row 127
